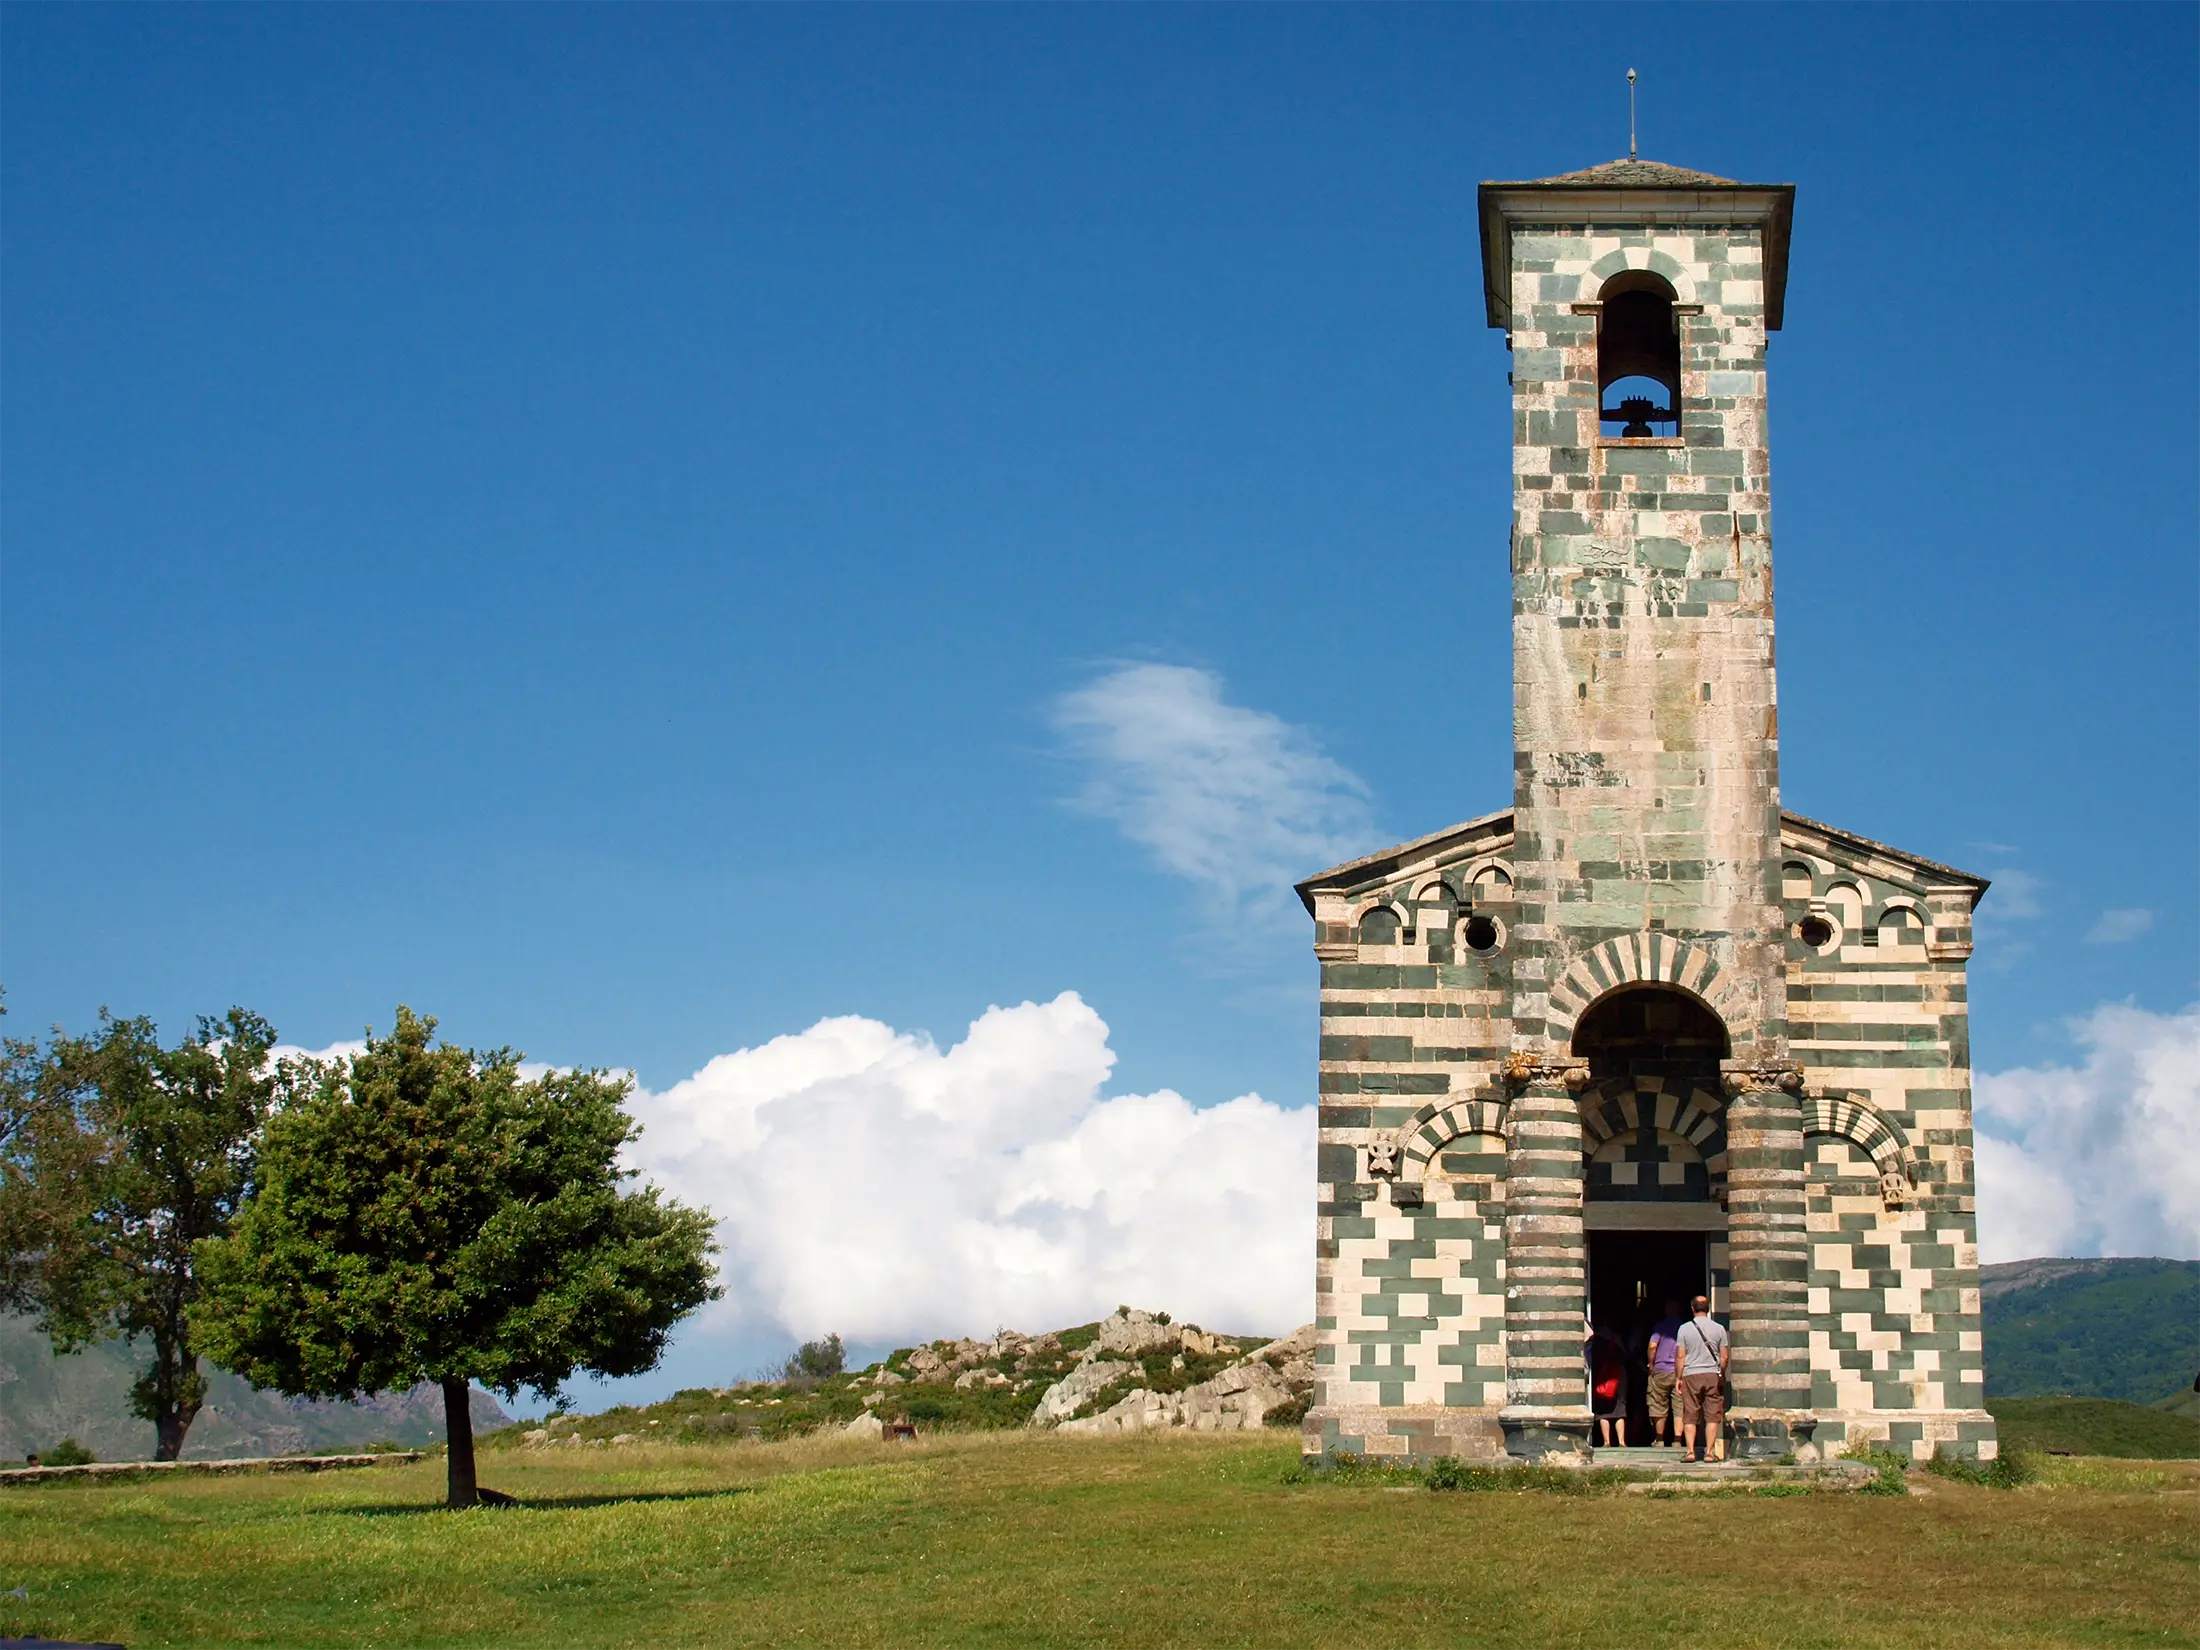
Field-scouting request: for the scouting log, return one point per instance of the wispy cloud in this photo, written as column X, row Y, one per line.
column 2101, row 1159
column 1236, row 801
column 2119, row 926
column 2010, row 906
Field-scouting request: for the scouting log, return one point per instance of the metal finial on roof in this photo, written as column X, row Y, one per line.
column 1630, row 114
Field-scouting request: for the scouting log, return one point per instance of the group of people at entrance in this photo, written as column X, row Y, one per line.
column 1685, row 1360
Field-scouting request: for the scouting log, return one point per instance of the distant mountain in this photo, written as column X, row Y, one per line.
column 86, row 1396
column 2126, row 1329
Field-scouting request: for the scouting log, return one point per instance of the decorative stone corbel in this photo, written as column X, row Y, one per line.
column 1894, row 1189
column 1382, row 1160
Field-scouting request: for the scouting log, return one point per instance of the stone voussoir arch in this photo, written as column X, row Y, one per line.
column 1648, row 958
column 1432, row 1128
column 1863, row 1125
column 1636, row 259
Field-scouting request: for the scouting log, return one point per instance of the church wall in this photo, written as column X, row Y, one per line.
column 1409, row 1289
column 1879, row 1014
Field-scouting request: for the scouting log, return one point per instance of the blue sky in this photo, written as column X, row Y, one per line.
column 595, row 522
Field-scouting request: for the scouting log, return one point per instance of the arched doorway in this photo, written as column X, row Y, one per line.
column 1654, row 1171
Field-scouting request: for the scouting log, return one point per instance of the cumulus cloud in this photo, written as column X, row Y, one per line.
column 869, row 1182
column 2099, row 1159
column 1235, row 800
column 2119, row 926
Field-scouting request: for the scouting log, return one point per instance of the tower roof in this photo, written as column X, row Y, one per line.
column 1627, row 173
column 1630, row 191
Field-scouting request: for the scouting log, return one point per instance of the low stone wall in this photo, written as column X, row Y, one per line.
column 106, row 1471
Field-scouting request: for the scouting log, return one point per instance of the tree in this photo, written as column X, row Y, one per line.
column 815, row 1361
column 27, row 1123
column 137, row 1153
column 424, row 1213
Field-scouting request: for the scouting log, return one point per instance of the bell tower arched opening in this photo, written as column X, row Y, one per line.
column 1638, row 356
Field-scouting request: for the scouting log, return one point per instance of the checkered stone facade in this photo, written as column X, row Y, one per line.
column 1464, row 1142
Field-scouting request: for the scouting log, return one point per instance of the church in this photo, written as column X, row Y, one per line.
column 1643, row 1034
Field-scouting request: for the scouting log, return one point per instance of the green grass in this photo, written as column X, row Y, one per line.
column 2096, row 1426
column 1012, row 1540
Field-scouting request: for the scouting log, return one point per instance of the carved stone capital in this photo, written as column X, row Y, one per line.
column 1523, row 1069
column 1748, row 1079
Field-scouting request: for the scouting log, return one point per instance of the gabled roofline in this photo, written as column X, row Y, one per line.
column 1354, row 871
column 1587, row 197
column 1850, row 839
column 1389, row 859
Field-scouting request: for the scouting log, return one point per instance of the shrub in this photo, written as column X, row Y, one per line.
column 815, row 1361
column 2008, row 1471
column 67, row 1453
column 1892, row 1469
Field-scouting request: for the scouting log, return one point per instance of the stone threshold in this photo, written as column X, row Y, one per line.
column 1674, row 1472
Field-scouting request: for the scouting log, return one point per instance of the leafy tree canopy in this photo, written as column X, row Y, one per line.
column 426, row 1213
column 134, row 1154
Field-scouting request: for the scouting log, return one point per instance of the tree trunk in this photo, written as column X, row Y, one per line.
column 169, row 1394
column 458, row 1430
column 168, row 1432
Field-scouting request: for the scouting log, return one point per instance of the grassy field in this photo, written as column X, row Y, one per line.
column 2096, row 1426
column 1018, row 1541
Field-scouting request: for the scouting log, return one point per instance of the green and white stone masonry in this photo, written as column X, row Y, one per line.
column 1464, row 1139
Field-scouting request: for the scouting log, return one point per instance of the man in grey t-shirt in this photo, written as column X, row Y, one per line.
column 1704, row 1353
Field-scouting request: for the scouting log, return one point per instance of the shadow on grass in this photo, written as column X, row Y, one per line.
column 544, row 1503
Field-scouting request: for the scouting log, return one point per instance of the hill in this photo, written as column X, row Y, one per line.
column 1132, row 1371
column 2127, row 1329
column 86, row 1396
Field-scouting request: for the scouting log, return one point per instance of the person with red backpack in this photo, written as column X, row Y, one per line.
column 1606, row 1358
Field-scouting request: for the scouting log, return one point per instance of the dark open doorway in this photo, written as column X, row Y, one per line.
column 1632, row 1275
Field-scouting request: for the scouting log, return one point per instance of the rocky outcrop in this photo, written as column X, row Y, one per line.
column 1237, row 1400
column 1292, row 1358
column 1239, row 1397
column 1068, row 1395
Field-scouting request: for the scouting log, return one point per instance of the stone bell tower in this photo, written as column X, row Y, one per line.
column 1636, row 300
column 1642, row 1035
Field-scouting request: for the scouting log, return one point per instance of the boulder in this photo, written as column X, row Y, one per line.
column 1065, row 1396
column 1292, row 1357
column 1236, row 1400
column 1131, row 1334
column 865, row 1426
column 925, row 1364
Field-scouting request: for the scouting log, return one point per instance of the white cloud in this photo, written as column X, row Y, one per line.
column 2103, row 1159
column 2119, row 927
column 1236, row 800
column 867, row 1182
column 341, row 1050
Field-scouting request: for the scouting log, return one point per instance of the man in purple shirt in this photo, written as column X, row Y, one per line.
column 1664, row 1343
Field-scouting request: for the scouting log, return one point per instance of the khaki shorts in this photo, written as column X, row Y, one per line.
column 1661, row 1394
column 1703, row 1398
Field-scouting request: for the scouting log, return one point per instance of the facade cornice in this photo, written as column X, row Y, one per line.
column 1594, row 200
